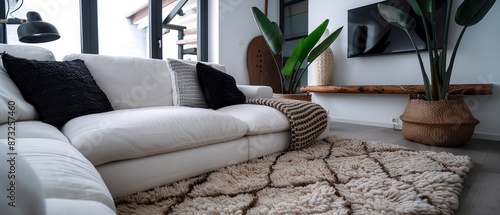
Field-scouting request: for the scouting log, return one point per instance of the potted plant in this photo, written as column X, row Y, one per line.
column 437, row 119
column 306, row 50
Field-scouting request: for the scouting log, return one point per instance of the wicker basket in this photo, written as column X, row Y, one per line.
column 438, row 123
column 324, row 68
column 300, row 96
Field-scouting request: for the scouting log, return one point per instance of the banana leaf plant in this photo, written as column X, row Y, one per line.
column 306, row 49
column 469, row 13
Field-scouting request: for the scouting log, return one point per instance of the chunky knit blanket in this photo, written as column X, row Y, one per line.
column 307, row 120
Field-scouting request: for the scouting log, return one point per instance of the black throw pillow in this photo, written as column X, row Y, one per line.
column 219, row 88
column 59, row 90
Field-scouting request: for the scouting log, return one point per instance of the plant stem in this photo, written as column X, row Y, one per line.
column 422, row 68
column 433, row 90
column 439, row 74
column 446, row 79
column 293, row 80
column 452, row 61
column 302, row 73
column 279, row 71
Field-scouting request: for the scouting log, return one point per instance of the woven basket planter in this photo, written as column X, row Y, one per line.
column 438, row 123
column 301, row 96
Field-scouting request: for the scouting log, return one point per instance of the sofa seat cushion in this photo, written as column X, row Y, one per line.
column 77, row 207
column 62, row 170
column 33, row 129
column 135, row 133
column 259, row 119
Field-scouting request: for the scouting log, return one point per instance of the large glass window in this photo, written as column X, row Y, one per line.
column 64, row 15
column 186, row 23
column 122, row 26
column 120, row 32
column 174, row 45
column 294, row 22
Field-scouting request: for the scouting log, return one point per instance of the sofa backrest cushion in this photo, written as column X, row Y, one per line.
column 9, row 92
column 130, row 82
column 27, row 51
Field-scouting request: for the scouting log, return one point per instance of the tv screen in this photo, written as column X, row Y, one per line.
column 369, row 34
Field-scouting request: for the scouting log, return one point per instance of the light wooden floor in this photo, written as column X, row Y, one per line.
column 481, row 191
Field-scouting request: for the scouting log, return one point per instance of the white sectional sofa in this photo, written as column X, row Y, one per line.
column 145, row 141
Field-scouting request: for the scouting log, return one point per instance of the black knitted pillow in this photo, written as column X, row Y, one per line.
column 219, row 88
column 59, row 91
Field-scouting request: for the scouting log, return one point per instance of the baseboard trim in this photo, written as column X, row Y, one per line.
column 361, row 122
column 486, row 136
column 478, row 135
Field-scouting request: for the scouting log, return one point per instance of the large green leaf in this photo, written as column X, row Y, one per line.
column 396, row 17
column 293, row 62
column 312, row 39
column 425, row 6
column 324, row 45
column 281, row 38
column 303, row 49
column 470, row 12
column 272, row 35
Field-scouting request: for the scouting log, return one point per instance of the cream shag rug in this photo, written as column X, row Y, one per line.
column 333, row 176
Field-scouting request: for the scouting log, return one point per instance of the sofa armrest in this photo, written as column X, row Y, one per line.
column 254, row 91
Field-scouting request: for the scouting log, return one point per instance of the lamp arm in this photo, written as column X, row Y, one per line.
column 13, row 21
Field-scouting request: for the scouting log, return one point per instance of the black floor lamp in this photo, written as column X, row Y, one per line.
column 30, row 30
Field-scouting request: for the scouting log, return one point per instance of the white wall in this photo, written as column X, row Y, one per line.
column 476, row 62
column 236, row 29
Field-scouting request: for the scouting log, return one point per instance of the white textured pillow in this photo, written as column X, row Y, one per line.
column 186, row 88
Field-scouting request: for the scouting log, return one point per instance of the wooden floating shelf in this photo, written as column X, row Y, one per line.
column 470, row 89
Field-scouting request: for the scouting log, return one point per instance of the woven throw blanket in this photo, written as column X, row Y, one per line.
column 307, row 120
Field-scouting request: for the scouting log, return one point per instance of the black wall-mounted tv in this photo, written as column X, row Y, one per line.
column 369, row 34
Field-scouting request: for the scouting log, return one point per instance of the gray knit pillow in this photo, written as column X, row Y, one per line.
column 186, row 85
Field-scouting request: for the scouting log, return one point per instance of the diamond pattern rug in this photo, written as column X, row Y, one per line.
column 333, row 176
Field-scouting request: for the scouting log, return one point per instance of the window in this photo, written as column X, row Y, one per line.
column 116, row 27
column 294, row 19
column 180, row 37
column 181, row 41
column 118, row 35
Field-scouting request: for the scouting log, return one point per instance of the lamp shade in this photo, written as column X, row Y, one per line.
column 36, row 30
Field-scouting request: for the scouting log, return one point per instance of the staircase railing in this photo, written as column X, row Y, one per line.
column 177, row 10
